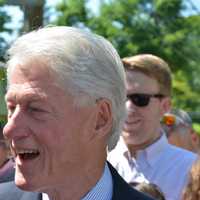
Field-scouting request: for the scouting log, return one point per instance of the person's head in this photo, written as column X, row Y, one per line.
column 177, row 125
column 151, row 189
column 66, row 104
column 148, row 85
column 4, row 148
column 192, row 189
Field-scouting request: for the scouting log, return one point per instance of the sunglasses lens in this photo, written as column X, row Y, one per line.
column 139, row 99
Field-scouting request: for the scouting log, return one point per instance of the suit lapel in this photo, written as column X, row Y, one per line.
column 119, row 185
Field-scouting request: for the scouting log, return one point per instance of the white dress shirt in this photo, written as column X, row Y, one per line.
column 161, row 163
column 103, row 190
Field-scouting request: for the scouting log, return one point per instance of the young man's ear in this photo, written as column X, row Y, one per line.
column 104, row 116
column 166, row 105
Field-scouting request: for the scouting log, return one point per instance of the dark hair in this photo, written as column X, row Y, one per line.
column 151, row 189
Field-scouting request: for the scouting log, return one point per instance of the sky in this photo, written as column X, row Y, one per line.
column 17, row 14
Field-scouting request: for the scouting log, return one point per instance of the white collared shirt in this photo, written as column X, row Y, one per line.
column 161, row 163
column 103, row 190
column 126, row 166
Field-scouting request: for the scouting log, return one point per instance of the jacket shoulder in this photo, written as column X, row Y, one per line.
column 9, row 191
column 122, row 190
column 8, row 176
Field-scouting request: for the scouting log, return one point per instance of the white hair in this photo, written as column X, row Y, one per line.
column 87, row 65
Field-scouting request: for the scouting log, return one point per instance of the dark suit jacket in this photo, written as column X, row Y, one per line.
column 121, row 190
column 8, row 176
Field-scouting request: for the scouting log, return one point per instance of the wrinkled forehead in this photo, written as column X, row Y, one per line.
column 30, row 79
column 29, row 69
column 25, row 93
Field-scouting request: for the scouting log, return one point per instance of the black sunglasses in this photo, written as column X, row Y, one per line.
column 142, row 100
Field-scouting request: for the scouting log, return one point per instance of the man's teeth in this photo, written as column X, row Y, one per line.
column 27, row 154
column 26, row 151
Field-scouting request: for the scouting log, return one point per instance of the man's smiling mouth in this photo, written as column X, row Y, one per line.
column 27, row 154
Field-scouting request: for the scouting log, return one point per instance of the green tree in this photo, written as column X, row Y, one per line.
column 159, row 27
column 72, row 13
column 2, row 92
column 147, row 26
column 4, row 18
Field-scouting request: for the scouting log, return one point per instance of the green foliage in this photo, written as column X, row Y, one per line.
column 196, row 128
column 4, row 18
column 72, row 12
column 148, row 26
column 3, row 111
column 184, row 96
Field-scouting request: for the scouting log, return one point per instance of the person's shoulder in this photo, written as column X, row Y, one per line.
column 8, row 176
column 8, row 187
column 9, row 191
column 184, row 154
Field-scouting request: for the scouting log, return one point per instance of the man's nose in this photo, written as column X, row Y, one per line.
column 130, row 107
column 15, row 127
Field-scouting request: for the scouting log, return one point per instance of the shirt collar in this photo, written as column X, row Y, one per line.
column 122, row 148
column 152, row 152
column 102, row 190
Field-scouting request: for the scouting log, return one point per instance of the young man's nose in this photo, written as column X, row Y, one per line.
column 130, row 106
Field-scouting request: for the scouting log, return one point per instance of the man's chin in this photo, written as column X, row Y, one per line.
column 133, row 141
column 132, row 135
column 23, row 184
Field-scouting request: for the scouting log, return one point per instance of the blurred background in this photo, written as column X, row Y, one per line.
column 167, row 28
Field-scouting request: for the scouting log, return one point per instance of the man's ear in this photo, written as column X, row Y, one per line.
column 104, row 117
column 166, row 105
column 194, row 137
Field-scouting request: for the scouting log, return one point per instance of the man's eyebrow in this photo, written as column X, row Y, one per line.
column 11, row 96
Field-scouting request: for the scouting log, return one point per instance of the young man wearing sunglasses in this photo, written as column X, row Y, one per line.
column 143, row 152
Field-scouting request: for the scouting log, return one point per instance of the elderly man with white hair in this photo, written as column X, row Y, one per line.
column 66, row 104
